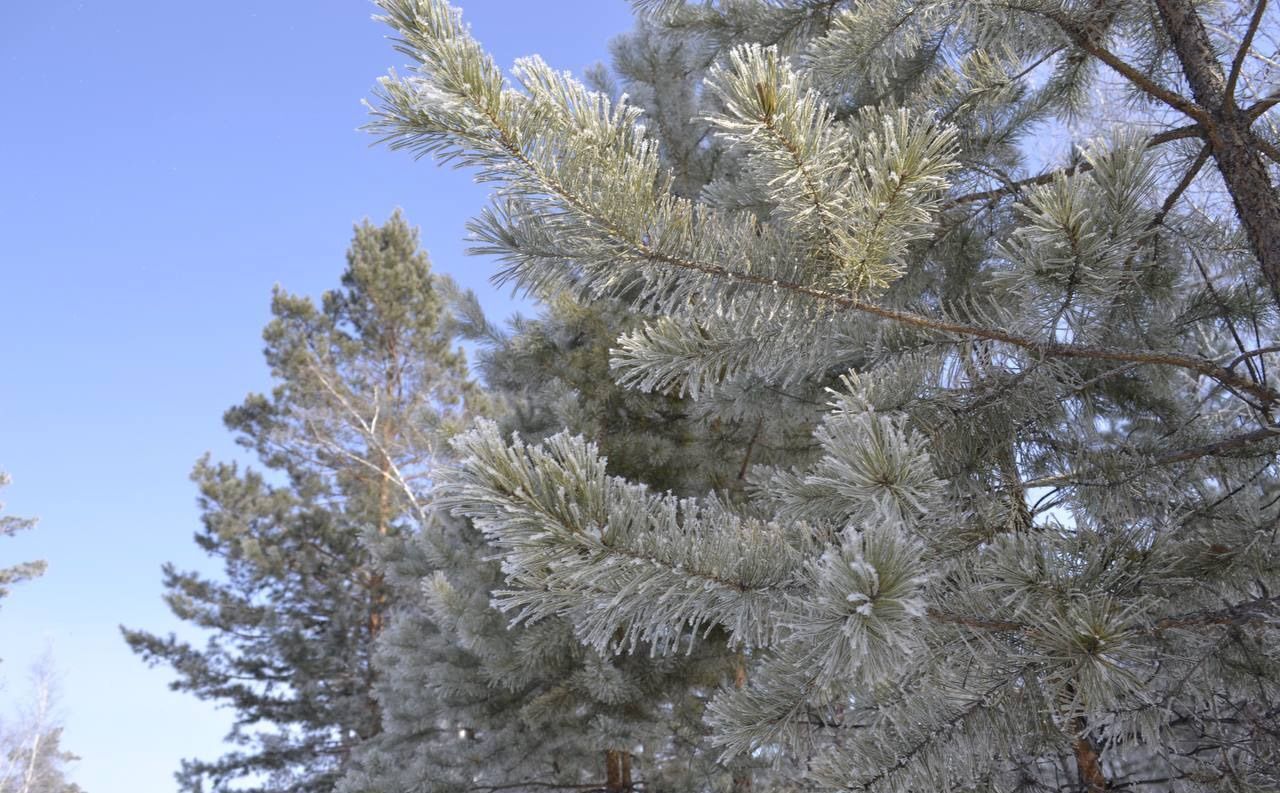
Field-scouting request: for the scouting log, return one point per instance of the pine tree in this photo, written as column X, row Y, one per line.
column 9, row 526
column 1032, row 543
column 473, row 703
column 369, row 385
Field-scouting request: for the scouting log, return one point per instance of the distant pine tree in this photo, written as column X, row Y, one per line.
column 1030, row 543
column 370, row 386
column 9, row 526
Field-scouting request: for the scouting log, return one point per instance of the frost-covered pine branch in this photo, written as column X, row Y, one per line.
column 1030, row 543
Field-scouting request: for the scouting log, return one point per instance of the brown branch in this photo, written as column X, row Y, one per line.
column 1219, row 447
column 1268, row 148
column 1046, row 349
column 1000, row 626
column 1178, row 455
column 1262, row 106
column 1082, row 39
column 1251, row 611
column 1178, row 133
column 1182, row 186
column 1245, row 45
column 1253, row 354
column 1088, row 758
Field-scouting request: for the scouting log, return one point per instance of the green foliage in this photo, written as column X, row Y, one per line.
column 536, row 707
column 369, row 387
column 9, row 526
column 1030, row 543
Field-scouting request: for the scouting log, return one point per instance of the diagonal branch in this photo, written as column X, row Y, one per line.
column 1262, row 106
column 1212, row 449
column 639, row 244
column 1083, row 39
column 1178, row 133
column 1238, row 64
column 1268, row 148
column 1183, row 184
column 392, row 471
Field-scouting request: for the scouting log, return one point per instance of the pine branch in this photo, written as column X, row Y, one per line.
column 1260, row 611
column 1264, row 610
column 639, row 245
column 627, row 564
column 1084, row 39
column 1179, row 133
column 1237, row 64
column 1214, row 449
column 894, row 578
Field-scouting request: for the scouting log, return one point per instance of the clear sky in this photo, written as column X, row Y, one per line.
column 162, row 165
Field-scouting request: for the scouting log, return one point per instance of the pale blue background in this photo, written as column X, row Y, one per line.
column 162, row 165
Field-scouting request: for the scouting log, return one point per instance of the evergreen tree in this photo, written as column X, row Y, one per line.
column 9, row 526
column 369, row 383
column 473, row 703
column 1032, row 542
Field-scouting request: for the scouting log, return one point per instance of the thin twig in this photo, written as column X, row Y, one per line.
column 1226, row 315
column 1252, row 353
column 1183, row 185
column 393, row 471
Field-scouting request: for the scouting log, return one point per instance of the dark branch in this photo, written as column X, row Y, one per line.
column 1238, row 64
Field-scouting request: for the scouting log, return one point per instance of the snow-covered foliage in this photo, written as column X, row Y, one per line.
column 1005, row 509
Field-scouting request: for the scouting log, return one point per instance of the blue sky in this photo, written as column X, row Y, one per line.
column 162, row 165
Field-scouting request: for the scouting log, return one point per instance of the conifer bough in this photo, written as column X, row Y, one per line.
column 1007, row 513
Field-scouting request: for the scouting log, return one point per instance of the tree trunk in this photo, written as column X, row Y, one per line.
column 1231, row 138
column 617, row 764
column 377, row 582
column 742, row 776
column 1088, row 761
